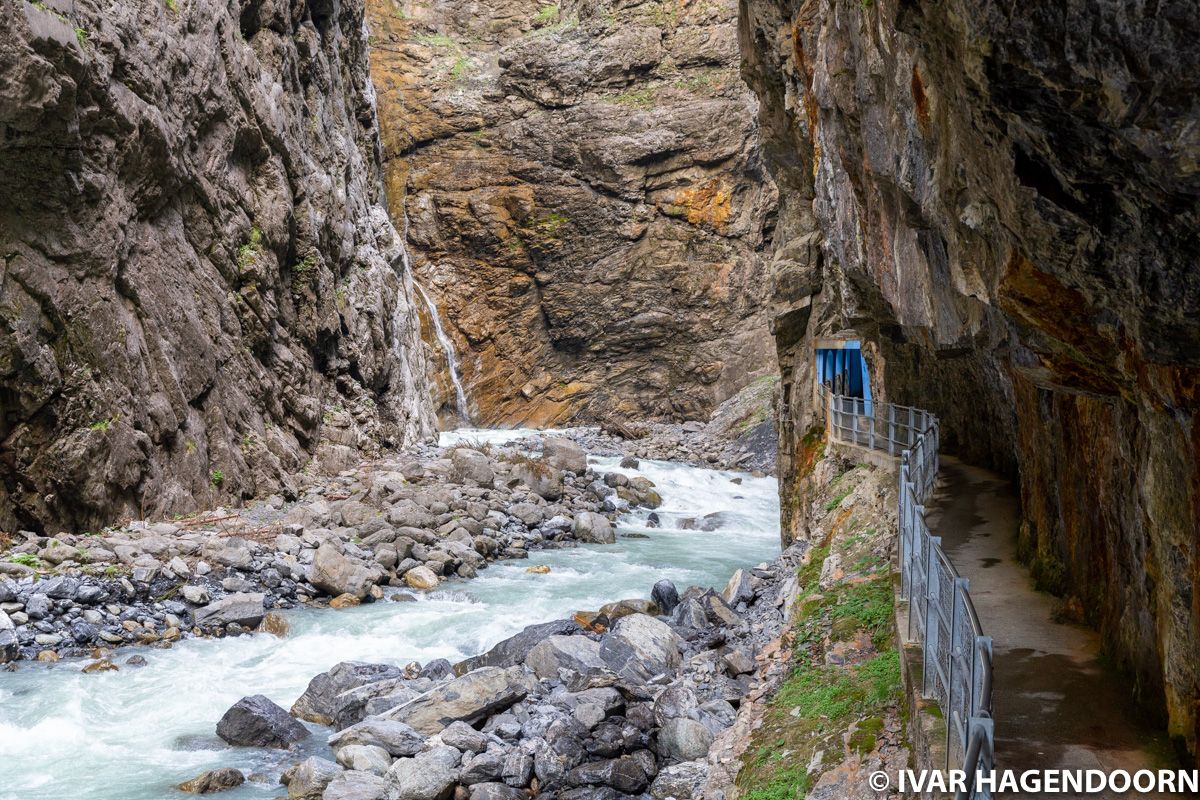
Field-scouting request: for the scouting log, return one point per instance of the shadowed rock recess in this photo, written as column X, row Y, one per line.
column 200, row 287
column 1002, row 202
column 586, row 200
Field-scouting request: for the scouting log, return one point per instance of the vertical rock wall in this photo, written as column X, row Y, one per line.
column 199, row 277
column 1002, row 201
column 586, row 198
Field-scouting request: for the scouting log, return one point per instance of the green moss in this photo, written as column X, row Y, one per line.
column 437, row 40
column 865, row 735
column 867, row 605
column 248, row 253
column 461, row 69
column 547, row 15
column 172, row 6
column 837, row 499
column 639, row 98
column 790, row 783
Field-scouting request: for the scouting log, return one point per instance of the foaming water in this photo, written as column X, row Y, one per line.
column 133, row 734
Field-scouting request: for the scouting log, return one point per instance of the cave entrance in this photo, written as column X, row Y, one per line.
column 841, row 369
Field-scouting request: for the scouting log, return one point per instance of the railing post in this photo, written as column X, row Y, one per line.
column 961, row 587
column 930, row 636
column 891, row 429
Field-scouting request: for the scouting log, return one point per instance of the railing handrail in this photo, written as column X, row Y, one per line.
column 957, row 654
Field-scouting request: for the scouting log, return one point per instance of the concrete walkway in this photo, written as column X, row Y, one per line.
column 1056, row 705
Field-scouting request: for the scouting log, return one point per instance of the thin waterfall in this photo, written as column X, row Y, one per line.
column 460, row 394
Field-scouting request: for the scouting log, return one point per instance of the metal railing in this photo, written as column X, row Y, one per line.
column 957, row 656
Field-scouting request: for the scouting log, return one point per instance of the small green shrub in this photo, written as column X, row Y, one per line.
column 81, row 35
column 172, row 6
column 248, row 253
column 102, row 425
column 461, row 69
column 26, row 560
column 302, row 271
column 217, row 477
column 437, row 40
column 547, row 15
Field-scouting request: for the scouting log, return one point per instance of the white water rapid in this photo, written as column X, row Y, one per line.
column 134, row 734
column 460, row 394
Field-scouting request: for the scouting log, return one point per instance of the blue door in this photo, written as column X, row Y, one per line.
column 844, row 371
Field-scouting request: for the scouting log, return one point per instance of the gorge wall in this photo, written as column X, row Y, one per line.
column 1002, row 201
column 200, row 288
column 586, row 200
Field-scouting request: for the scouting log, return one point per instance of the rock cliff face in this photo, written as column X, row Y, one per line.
column 586, row 200
column 1002, row 201
column 200, row 286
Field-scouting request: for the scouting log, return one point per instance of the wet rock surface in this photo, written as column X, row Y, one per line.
column 586, row 200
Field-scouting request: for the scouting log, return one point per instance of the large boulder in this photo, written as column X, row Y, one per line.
column 213, row 781
column 335, row 574
column 471, row 698
column 571, row 659
column 514, row 649
column 625, row 774
column 354, row 785
column 365, row 757
column 255, row 721
column 397, row 738
column 495, row 791
column 542, row 479
column 683, row 739
column 428, row 776
column 593, row 527
column 472, row 466
column 740, row 589
column 421, row 577
column 244, row 608
column 565, row 455
column 308, row 779
column 640, row 647
column 320, row 702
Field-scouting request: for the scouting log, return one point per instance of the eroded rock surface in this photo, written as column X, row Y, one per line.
column 1001, row 203
column 200, row 286
column 586, row 199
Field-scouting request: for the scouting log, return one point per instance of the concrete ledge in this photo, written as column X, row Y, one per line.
column 926, row 723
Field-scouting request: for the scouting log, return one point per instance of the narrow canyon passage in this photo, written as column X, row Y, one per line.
column 1056, row 704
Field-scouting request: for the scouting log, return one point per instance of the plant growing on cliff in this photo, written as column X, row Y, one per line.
column 172, row 6
column 102, row 425
column 248, row 253
column 303, row 271
column 436, row 40
column 26, row 560
column 217, row 477
column 461, row 69
column 547, row 15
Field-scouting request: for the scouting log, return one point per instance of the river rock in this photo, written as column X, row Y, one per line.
column 542, row 479
column 593, row 527
column 471, row 698
column 739, row 589
column 472, row 465
column 319, row 702
column 308, row 779
column 365, row 757
column 397, row 738
column 515, row 649
column 10, row 648
column 565, row 455
column 196, row 595
column 335, row 574
column 255, row 721
column 245, row 609
column 464, row 738
column 354, row 785
column 640, row 647
column 624, row 774
column 665, row 596
column 428, row 776
column 683, row 739
column 495, row 791
column 213, row 781
column 680, row 781
column 571, row 659
column 421, row 578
